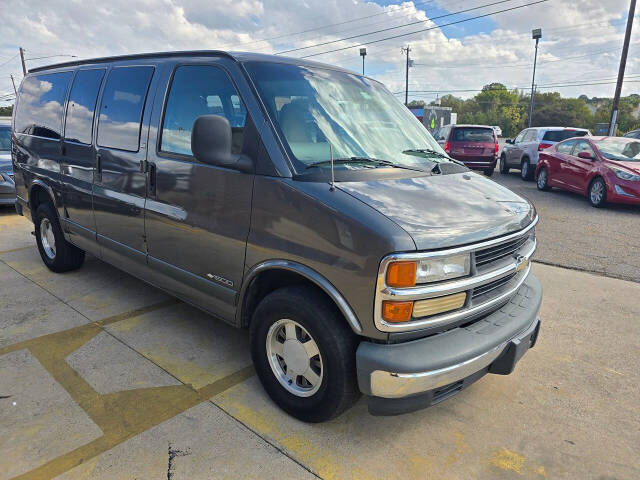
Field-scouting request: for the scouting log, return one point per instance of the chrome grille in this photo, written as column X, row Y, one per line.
column 497, row 252
column 487, row 287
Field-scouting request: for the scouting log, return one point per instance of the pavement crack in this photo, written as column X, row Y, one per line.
column 173, row 453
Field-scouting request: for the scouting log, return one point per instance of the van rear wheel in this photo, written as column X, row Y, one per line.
column 304, row 354
column 57, row 254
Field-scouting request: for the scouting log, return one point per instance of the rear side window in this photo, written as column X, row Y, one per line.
column 200, row 90
column 473, row 134
column 82, row 104
column 560, row 135
column 122, row 107
column 565, row 147
column 41, row 104
column 531, row 136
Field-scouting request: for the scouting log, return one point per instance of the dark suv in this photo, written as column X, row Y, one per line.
column 295, row 199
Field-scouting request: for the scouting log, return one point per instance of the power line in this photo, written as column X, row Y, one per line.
column 393, row 28
column 427, row 29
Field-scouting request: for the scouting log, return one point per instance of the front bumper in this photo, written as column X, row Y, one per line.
column 624, row 192
column 408, row 376
column 7, row 191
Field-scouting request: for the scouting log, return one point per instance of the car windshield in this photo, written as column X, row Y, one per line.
column 362, row 121
column 473, row 134
column 560, row 135
column 5, row 139
column 621, row 151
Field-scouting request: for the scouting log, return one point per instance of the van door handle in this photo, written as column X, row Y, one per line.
column 98, row 167
column 151, row 168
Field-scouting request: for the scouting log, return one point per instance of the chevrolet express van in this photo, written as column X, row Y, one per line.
column 298, row 200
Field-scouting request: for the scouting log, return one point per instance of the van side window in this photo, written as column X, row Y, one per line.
column 122, row 107
column 200, row 90
column 41, row 104
column 82, row 104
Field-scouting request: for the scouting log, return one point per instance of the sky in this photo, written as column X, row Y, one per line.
column 581, row 43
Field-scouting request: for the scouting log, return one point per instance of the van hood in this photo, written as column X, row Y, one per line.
column 446, row 210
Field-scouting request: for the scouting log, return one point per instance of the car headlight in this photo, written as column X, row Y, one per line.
column 410, row 273
column 624, row 175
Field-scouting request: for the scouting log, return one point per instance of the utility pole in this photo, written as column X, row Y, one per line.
column 24, row 68
column 14, row 85
column 406, row 85
column 537, row 35
column 623, row 64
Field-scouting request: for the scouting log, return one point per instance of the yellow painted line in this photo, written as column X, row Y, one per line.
column 120, row 415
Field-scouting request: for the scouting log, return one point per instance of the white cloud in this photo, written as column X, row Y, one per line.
column 97, row 28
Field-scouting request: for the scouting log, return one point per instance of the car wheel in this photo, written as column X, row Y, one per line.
column 543, row 180
column 57, row 254
column 304, row 353
column 504, row 168
column 525, row 170
column 488, row 172
column 598, row 192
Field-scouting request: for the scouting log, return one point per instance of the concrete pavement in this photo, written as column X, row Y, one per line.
column 102, row 376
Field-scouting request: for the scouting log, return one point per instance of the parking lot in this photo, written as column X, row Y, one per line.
column 102, row 376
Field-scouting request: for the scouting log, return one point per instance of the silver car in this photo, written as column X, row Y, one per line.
column 7, row 185
column 522, row 152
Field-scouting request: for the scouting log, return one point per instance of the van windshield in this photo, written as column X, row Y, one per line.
column 316, row 107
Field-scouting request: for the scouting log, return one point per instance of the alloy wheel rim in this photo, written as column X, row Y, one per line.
column 294, row 358
column 597, row 191
column 542, row 179
column 525, row 169
column 47, row 238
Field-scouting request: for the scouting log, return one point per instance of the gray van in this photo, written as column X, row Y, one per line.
column 298, row 200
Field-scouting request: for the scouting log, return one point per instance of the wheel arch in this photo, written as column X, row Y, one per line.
column 40, row 192
column 270, row 275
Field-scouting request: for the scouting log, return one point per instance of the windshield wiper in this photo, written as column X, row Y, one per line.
column 426, row 151
column 376, row 161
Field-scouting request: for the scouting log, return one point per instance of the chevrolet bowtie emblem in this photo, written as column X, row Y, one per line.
column 521, row 263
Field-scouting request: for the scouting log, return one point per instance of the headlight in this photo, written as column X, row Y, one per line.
column 626, row 175
column 409, row 273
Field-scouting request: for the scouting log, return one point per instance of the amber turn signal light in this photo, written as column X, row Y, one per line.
column 397, row 311
column 401, row 274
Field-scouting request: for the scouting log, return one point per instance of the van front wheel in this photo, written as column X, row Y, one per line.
column 304, row 354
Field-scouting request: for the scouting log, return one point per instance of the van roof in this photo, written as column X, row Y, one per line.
column 237, row 56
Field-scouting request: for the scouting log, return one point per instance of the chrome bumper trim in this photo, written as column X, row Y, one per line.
column 398, row 385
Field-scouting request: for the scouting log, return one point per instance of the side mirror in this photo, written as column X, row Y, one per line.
column 585, row 155
column 211, row 143
column 509, row 141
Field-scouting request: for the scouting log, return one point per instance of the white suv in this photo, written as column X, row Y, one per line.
column 522, row 152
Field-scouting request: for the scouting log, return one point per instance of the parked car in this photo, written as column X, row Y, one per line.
column 7, row 186
column 633, row 134
column 605, row 169
column 474, row 145
column 522, row 152
column 498, row 130
column 302, row 202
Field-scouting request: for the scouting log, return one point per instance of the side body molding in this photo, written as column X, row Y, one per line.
column 310, row 275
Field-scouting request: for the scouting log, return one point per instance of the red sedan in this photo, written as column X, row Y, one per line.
column 605, row 169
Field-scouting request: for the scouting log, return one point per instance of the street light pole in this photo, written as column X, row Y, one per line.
column 623, row 64
column 537, row 35
column 363, row 53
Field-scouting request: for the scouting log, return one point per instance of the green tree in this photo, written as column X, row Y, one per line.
column 6, row 111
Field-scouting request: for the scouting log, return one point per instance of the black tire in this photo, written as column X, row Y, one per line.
column 488, row 172
column 526, row 172
column 336, row 343
column 504, row 169
column 597, row 184
column 542, row 182
column 63, row 257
